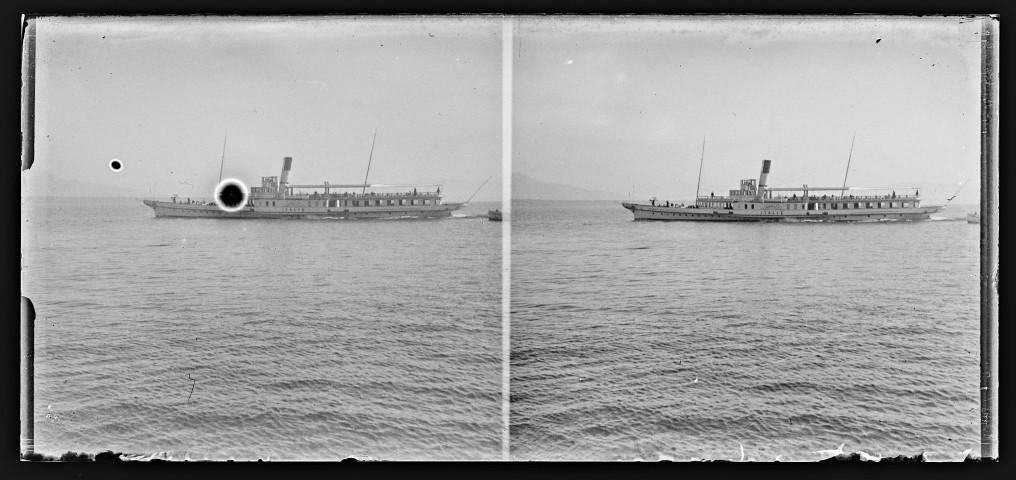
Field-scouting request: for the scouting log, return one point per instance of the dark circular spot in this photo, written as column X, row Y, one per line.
column 231, row 195
column 116, row 165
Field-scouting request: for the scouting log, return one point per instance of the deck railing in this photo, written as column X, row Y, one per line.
column 827, row 198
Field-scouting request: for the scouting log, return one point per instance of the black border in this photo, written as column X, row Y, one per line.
column 11, row 104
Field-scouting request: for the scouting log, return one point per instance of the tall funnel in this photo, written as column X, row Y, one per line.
column 762, row 178
column 287, row 163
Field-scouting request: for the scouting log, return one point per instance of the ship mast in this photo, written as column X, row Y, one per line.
column 223, row 162
column 701, row 161
column 851, row 154
column 478, row 190
column 368, row 162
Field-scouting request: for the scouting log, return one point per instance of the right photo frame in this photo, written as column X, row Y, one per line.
column 753, row 238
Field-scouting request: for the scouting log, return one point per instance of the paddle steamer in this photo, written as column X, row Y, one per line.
column 757, row 202
column 277, row 198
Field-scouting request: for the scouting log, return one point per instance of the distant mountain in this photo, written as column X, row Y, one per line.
column 525, row 187
column 47, row 185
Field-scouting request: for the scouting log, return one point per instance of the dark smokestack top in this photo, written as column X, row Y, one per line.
column 765, row 165
column 287, row 163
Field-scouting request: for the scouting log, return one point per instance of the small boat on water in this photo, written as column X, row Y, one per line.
column 277, row 198
column 757, row 202
column 974, row 217
column 494, row 215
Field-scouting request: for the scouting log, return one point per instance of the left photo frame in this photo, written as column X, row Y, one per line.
column 270, row 238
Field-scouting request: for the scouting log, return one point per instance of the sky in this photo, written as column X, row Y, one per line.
column 624, row 104
column 606, row 103
column 162, row 94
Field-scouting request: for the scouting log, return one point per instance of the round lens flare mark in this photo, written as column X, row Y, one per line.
column 231, row 195
column 115, row 165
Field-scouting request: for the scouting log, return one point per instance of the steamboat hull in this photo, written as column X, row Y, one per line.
column 663, row 213
column 172, row 209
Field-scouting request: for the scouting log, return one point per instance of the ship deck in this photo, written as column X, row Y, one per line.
column 767, row 212
column 295, row 210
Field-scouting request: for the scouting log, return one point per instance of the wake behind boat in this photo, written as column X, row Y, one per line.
column 277, row 198
column 759, row 203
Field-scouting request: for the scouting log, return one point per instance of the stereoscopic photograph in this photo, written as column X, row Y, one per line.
column 530, row 238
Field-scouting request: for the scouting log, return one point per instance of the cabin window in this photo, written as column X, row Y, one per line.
column 378, row 203
column 857, row 205
column 426, row 201
column 892, row 204
column 906, row 204
column 753, row 206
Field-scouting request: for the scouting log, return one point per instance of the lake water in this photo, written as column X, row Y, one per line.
column 299, row 339
column 632, row 339
column 307, row 340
